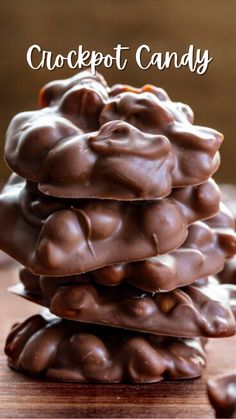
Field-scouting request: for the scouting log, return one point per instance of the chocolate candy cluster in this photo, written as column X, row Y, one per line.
column 221, row 392
column 121, row 232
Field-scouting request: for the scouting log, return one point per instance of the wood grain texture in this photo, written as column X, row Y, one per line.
column 22, row 397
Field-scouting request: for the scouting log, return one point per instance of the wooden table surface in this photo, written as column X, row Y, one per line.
column 22, row 397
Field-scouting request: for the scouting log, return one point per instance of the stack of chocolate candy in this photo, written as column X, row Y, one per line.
column 115, row 217
column 221, row 391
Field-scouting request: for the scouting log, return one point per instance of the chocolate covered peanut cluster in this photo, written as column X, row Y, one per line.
column 90, row 141
column 63, row 350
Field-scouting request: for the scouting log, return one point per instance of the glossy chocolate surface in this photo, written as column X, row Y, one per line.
column 203, row 253
column 55, row 237
column 148, row 171
column 69, row 351
column 196, row 310
column 90, row 141
column 222, row 394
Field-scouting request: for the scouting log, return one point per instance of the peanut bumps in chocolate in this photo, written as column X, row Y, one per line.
column 69, row 351
column 53, row 236
column 119, row 225
column 204, row 252
column 196, row 310
column 90, row 141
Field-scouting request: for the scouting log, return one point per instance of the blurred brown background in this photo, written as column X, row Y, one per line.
column 61, row 25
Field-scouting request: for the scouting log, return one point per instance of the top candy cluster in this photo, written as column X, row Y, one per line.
column 122, row 143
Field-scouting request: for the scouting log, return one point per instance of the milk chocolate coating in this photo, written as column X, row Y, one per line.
column 228, row 193
column 53, row 91
column 196, row 310
column 222, row 394
column 69, row 351
column 56, row 237
column 123, row 144
column 203, row 253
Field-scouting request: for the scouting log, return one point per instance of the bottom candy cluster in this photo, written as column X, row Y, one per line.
column 70, row 351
